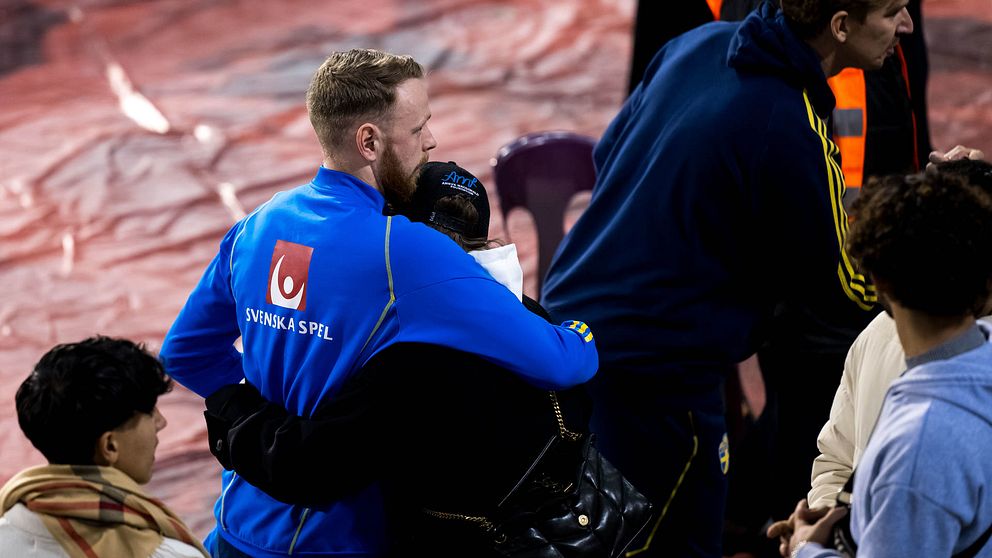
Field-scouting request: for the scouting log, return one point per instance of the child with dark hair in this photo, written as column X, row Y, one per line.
column 447, row 433
column 80, row 392
column 923, row 485
column 940, row 218
column 90, row 409
column 873, row 362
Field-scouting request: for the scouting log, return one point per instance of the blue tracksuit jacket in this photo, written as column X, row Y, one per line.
column 316, row 281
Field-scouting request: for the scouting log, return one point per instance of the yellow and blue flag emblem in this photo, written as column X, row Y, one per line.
column 724, row 454
column 581, row 328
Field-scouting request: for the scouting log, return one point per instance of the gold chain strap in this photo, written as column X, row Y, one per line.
column 484, row 522
column 565, row 433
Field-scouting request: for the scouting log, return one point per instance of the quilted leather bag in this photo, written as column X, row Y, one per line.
column 570, row 503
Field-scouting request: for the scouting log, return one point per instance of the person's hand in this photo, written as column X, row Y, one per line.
column 958, row 152
column 812, row 525
column 783, row 530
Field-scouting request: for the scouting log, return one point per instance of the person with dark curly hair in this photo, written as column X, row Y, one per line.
column 923, row 485
column 90, row 409
column 875, row 359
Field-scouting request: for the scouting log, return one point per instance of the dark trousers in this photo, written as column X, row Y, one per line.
column 801, row 389
column 671, row 453
column 223, row 549
column 776, row 452
column 750, row 481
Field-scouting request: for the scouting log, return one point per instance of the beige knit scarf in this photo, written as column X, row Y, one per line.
column 95, row 512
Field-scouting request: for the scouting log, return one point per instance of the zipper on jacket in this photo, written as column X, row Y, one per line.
column 223, row 496
column 303, row 518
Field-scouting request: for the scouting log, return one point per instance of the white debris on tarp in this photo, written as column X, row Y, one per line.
column 230, row 199
column 206, row 134
column 133, row 104
column 68, row 254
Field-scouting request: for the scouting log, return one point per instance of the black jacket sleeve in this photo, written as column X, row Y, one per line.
column 408, row 398
column 293, row 459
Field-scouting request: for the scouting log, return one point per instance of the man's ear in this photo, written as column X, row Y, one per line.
column 107, row 450
column 839, row 26
column 369, row 140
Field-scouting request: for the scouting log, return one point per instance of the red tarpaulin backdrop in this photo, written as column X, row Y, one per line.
column 133, row 134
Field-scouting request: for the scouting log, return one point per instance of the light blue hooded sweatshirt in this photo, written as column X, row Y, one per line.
column 924, row 486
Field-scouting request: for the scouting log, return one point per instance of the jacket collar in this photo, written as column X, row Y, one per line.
column 970, row 340
column 343, row 185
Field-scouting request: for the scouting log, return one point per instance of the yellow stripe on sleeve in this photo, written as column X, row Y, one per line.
column 855, row 285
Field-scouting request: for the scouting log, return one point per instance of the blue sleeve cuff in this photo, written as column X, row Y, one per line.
column 815, row 550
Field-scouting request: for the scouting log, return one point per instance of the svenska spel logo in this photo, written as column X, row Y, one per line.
column 288, row 275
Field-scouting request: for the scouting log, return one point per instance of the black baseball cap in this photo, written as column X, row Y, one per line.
column 440, row 180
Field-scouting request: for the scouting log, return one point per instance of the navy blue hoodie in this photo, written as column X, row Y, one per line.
column 717, row 198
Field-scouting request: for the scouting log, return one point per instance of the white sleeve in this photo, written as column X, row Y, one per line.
column 833, row 466
column 171, row 548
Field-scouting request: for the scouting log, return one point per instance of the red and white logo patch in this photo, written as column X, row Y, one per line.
column 288, row 275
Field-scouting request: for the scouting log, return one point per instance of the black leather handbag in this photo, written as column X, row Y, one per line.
column 569, row 503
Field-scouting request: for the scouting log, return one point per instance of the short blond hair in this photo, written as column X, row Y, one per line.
column 355, row 84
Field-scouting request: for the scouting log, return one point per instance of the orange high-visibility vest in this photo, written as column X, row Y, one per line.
column 715, row 6
column 850, row 116
column 850, row 121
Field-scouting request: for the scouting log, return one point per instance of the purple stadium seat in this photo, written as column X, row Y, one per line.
column 541, row 172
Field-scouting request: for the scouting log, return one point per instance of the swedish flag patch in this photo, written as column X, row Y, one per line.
column 581, row 328
column 724, row 454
